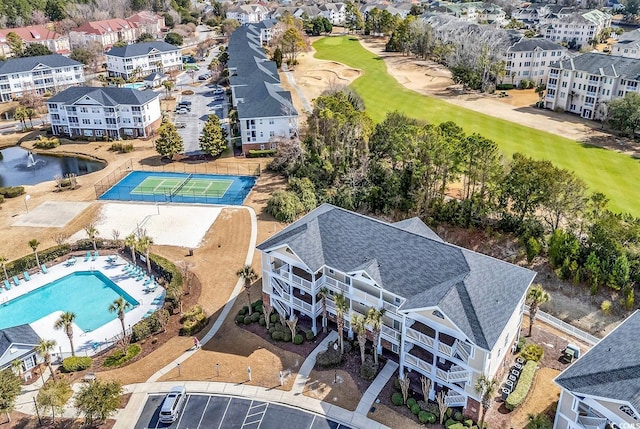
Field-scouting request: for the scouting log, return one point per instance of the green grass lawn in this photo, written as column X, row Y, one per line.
column 603, row 170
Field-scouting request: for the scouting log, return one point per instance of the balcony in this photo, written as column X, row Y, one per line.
column 455, row 375
column 341, row 287
column 365, row 298
column 419, row 337
column 390, row 307
column 551, row 86
column 453, row 400
column 589, row 422
column 390, row 334
column 417, row 363
column 591, row 93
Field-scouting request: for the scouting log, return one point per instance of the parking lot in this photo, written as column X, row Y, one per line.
column 222, row 412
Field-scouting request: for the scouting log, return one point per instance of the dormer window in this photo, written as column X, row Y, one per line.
column 438, row 314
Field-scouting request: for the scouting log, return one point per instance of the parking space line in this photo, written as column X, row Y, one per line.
column 259, row 413
column 203, row 412
column 224, row 415
column 184, row 406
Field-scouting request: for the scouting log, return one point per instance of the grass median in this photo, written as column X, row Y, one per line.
column 603, row 170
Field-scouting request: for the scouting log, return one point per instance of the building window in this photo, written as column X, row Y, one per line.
column 86, row 122
column 88, row 133
column 439, row 315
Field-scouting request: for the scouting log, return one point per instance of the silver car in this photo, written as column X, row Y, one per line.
column 172, row 404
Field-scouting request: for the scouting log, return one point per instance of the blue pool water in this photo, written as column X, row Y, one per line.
column 137, row 85
column 87, row 294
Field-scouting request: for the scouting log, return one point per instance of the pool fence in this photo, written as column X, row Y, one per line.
column 224, row 168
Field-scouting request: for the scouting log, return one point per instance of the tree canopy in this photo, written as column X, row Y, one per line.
column 169, row 142
column 213, row 140
column 98, row 400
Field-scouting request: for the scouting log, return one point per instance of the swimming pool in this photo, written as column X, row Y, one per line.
column 136, row 85
column 88, row 294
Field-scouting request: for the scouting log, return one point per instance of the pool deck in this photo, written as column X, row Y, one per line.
column 88, row 343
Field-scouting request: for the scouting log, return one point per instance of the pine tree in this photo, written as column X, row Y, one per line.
column 213, row 140
column 169, row 141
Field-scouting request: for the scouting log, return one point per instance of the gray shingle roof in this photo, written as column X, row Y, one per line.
column 17, row 65
column 416, row 226
column 265, row 100
column 611, row 369
column 477, row 292
column 21, row 334
column 526, row 44
column 140, row 49
column 602, row 65
column 107, row 96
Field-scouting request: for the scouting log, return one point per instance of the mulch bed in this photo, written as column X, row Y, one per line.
column 303, row 349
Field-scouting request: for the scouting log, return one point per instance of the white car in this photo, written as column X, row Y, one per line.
column 172, row 404
column 217, row 107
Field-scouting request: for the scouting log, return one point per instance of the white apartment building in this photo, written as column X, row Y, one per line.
column 529, row 59
column 579, row 28
column 336, row 13
column 248, row 13
column 602, row 388
column 265, row 110
column 47, row 73
column 104, row 111
column 628, row 45
column 142, row 59
column 443, row 317
column 18, row 343
column 584, row 85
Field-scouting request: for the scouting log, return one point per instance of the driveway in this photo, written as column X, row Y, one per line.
column 222, row 412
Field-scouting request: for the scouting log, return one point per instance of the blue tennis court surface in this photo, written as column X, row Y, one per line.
column 181, row 188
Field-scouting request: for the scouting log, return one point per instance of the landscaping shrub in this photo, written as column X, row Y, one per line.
column 118, row 358
column 257, row 306
column 449, row 412
column 244, row 310
column 121, row 147
column 254, row 153
column 286, row 336
column 255, row 316
column 166, row 269
column 277, row 336
column 396, row 383
column 140, row 331
column 415, row 410
column 76, row 363
column 149, row 326
column 279, row 327
column 193, row 320
column 397, row 399
column 411, row 402
column 46, row 143
column 518, row 395
column 422, row 417
column 532, row 352
column 504, row 86
column 329, row 357
column 522, row 341
column 187, row 92
column 310, row 335
column 273, row 318
column 431, row 418
column 247, row 320
column 468, row 423
column 369, row 369
column 12, row 191
column 298, row 339
column 261, row 321
column 456, row 425
column 22, row 264
column 285, row 206
column 449, row 422
column 457, row 416
column 272, row 330
column 432, row 408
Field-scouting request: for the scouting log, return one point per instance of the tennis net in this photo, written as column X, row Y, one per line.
column 179, row 186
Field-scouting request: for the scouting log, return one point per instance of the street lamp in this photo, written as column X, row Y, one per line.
column 26, row 199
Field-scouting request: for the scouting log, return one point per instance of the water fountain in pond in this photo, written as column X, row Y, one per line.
column 34, row 163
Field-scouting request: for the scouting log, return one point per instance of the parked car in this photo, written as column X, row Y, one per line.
column 217, row 107
column 182, row 111
column 204, row 76
column 172, row 404
column 218, row 91
column 218, row 98
column 181, row 125
column 185, row 103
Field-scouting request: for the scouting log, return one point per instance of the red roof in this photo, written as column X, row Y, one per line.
column 105, row 26
column 33, row 33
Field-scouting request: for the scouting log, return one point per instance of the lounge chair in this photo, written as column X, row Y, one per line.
column 126, row 267
column 16, row 281
column 27, row 277
column 44, row 269
column 148, row 281
column 7, row 285
column 95, row 256
column 148, row 314
column 71, row 261
column 112, row 258
column 87, row 257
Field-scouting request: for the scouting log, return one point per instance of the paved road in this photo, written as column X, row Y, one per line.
column 220, row 412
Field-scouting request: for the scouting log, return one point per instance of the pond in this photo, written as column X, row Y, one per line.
column 21, row 167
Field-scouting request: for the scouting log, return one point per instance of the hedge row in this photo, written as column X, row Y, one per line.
column 193, row 320
column 261, row 153
column 76, row 363
column 518, row 395
column 23, row 264
column 12, row 191
column 166, row 269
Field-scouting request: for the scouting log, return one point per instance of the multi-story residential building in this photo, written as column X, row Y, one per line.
column 529, row 59
column 56, row 43
column 266, row 28
column 47, row 73
column 336, row 13
column 248, row 13
column 141, row 59
column 310, row 11
column 265, row 110
column 577, row 29
column 628, row 45
column 106, row 111
column 107, row 32
column 584, row 85
column 148, row 22
column 19, row 343
column 443, row 317
column 602, row 388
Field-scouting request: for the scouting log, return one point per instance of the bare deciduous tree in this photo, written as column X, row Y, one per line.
column 442, row 406
column 404, row 387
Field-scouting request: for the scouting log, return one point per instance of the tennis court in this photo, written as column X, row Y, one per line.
column 181, row 188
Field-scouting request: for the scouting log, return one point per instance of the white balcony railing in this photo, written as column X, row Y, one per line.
column 302, row 305
column 336, row 284
column 419, row 337
column 462, row 349
column 302, row 283
column 390, row 334
column 364, row 298
column 445, row 349
column 417, row 362
column 592, row 422
column 453, row 400
column 390, row 307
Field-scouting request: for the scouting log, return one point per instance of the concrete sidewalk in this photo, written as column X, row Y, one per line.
column 376, row 387
column 309, row 363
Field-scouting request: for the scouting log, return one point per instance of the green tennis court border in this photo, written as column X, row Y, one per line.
column 159, row 185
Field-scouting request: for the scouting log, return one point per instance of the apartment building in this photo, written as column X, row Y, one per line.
column 265, row 110
column 444, row 318
column 248, row 13
column 602, row 388
column 577, row 29
column 142, row 59
column 106, row 32
column 336, row 13
column 46, row 73
column 56, row 43
column 104, row 111
column 529, row 59
column 628, row 45
column 18, row 343
column 585, row 84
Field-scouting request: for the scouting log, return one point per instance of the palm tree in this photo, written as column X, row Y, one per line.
column 44, row 349
column 30, row 113
column 66, row 322
column 120, row 306
column 536, row 297
column 16, row 367
column 3, row 262
column 144, row 245
column 130, row 242
column 485, row 386
column 248, row 275
column 359, row 325
column 322, row 293
column 34, row 246
column 21, row 116
column 341, row 309
column 92, row 232
column 168, row 85
column 374, row 319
